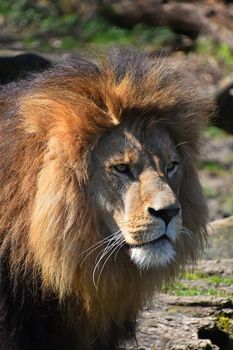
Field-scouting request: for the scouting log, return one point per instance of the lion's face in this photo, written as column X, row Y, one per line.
column 135, row 191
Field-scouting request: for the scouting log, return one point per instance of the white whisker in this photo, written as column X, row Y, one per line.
column 180, row 144
column 101, row 256
column 110, row 241
column 120, row 246
column 102, row 268
column 186, row 231
column 97, row 245
column 111, row 246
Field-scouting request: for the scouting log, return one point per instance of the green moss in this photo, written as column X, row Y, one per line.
column 215, row 133
column 25, row 12
column 156, row 37
column 225, row 324
column 60, row 25
column 100, row 31
column 45, row 22
column 209, row 192
column 30, row 41
column 68, row 42
column 181, row 289
column 221, row 52
column 194, row 276
column 228, row 204
column 188, row 285
column 217, row 280
column 213, row 167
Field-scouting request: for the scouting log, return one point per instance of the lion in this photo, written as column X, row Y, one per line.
column 100, row 201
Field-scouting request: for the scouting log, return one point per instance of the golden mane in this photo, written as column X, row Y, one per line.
column 49, row 127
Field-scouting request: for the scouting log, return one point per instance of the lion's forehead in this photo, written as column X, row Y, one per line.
column 131, row 145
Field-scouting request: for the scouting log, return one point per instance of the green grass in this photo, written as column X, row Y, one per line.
column 221, row 52
column 209, row 192
column 209, row 285
column 226, row 324
column 228, row 203
column 194, row 276
column 220, row 280
column 181, row 289
column 99, row 31
column 23, row 12
column 214, row 279
column 38, row 24
column 213, row 167
column 215, row 133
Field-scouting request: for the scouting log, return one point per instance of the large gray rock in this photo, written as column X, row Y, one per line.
column 14, row 67
column 184, row 323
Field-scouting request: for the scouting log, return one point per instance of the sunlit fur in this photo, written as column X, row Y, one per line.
column 49, row 128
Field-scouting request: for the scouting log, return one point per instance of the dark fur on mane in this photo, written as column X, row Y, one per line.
column 57, row 117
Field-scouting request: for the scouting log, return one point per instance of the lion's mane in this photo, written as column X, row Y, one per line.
column 49, row 126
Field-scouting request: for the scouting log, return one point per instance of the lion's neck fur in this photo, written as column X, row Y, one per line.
column 94, row 316
column 33, row 258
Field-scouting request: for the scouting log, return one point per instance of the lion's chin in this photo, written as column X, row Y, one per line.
column 153, row 255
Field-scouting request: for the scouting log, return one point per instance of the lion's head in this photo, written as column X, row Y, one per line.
column 101, row 196
column 137, row 173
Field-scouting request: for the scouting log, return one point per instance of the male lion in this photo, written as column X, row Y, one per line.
column 100, row 200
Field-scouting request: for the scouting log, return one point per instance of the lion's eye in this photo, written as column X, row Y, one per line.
column 171, row 168
column 121, row 168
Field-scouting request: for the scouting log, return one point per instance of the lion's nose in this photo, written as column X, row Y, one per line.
column 167, row 214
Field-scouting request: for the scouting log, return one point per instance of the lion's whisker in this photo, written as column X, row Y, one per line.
column 104, row 264
column 180, row 144
column 104, row 240
column 102, row 254
column 91, row 252
column 97, row 245
column 186, row 230
column 121, row 245
column 106, row 249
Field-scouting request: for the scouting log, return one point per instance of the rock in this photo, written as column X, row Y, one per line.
column 194, row 322
column 18, row 66
column 188, row 324
column 207, row 18
column 224, row 99
column 185, row 18
column 200, row 301
column 220, row 239
column 130, row 12
column 221, row 267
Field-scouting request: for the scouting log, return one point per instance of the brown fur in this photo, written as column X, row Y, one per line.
column 49, row 127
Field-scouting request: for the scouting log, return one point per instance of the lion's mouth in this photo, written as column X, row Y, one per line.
column 164, row 237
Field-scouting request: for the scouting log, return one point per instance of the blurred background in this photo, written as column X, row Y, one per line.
column 197, row 38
